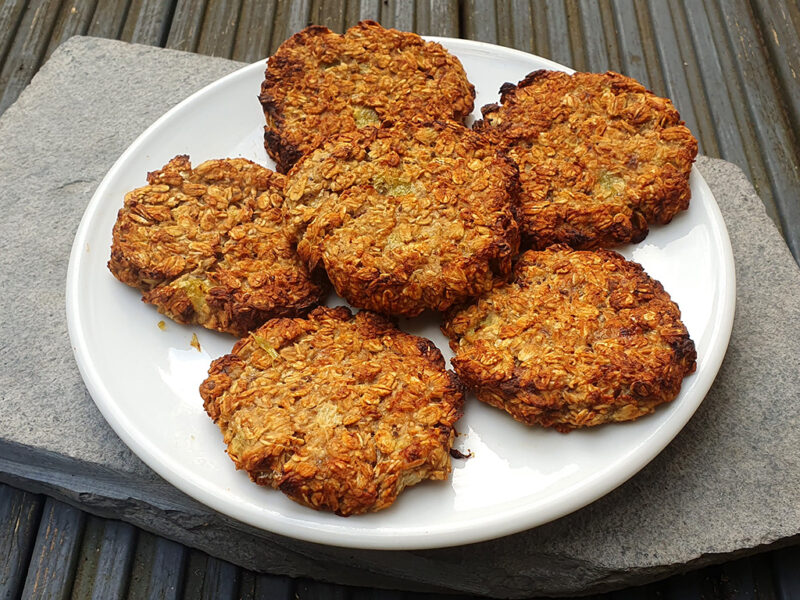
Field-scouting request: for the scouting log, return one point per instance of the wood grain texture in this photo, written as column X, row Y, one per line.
column 55, row 553
column 330, row 13
column 629, row 38
column 779, row 21
column 220, row 22
column 776, row 139
column 399, row 14
column 208, row 578
column 74, row 18
column 480, row 21
column 28, row 48
column 440, row 17
column 148, row 22
column 19, row 520
column 109, row 19
column 158, row 568
column 11, row 12
column 186, row 24
column 255, row 586
column 290, row 17
column 255, row 30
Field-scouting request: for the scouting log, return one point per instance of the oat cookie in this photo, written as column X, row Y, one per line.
column 576, row 339
column 207, row 246
column 600, row 157
column 338, row 412
column 319, row 84
column 406, row 218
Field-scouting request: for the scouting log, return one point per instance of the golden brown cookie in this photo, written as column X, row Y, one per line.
column 406, row 218
column 320, row 84
column 208, row 246
column 576, row 339
column 338, row 412
column 600, row 157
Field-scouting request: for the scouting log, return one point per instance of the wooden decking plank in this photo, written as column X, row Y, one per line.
column 610, row 31
column 655, row 76
column 593, row 38
column 352, row 13
column 208, row 578
column 220, row 580
column 290, row 17
column 672, row 65
column 773, row 130
column 74, row 18
column 786, row 572
column 307, row 589
column 629, row 39
column 398, row 14
column 744, row 123
column 255, row 30
column 28, row 48
column 515, row 24
column 158, row 568
column 367, row 9
column 559, row 47
column 86, row 566
column 55, row 552
column 780, row 26
column 731, row 143
column 115, row 560
column 109, row 18
column 19, row 520
column 330, row 13
column 480, row 21
column 706, row 131
column 218, row 34
column 186, row 24
column 148, row 21
column 747, row 579
column 573, row 36
column 439, row 17
column 273, row 587
column 168, row 569
column 11, row 13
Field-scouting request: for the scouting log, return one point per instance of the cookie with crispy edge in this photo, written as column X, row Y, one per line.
column 319, row 84
column 577, row 338
column 600, row 157
column 207, row 246
column 339, row 412
column 406, row 218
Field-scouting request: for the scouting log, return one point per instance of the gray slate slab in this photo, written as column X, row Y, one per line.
column 726, row 485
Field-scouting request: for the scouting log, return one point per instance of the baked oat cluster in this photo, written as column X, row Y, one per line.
column 577, row 338
column 600, row 157
column 320, row 84
column 390, row 198
column 406, row 218
column 338, row 412
column 208, row 246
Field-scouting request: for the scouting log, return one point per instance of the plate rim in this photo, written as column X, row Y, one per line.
column 485, row 528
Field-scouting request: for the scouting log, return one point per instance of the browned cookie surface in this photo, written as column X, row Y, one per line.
column 208, row 246
column 406, row 218
column 600, row 157
column 576, row 339
column 319, row 84
column 338, row 412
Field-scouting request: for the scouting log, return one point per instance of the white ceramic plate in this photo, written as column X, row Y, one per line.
column 145, row 380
